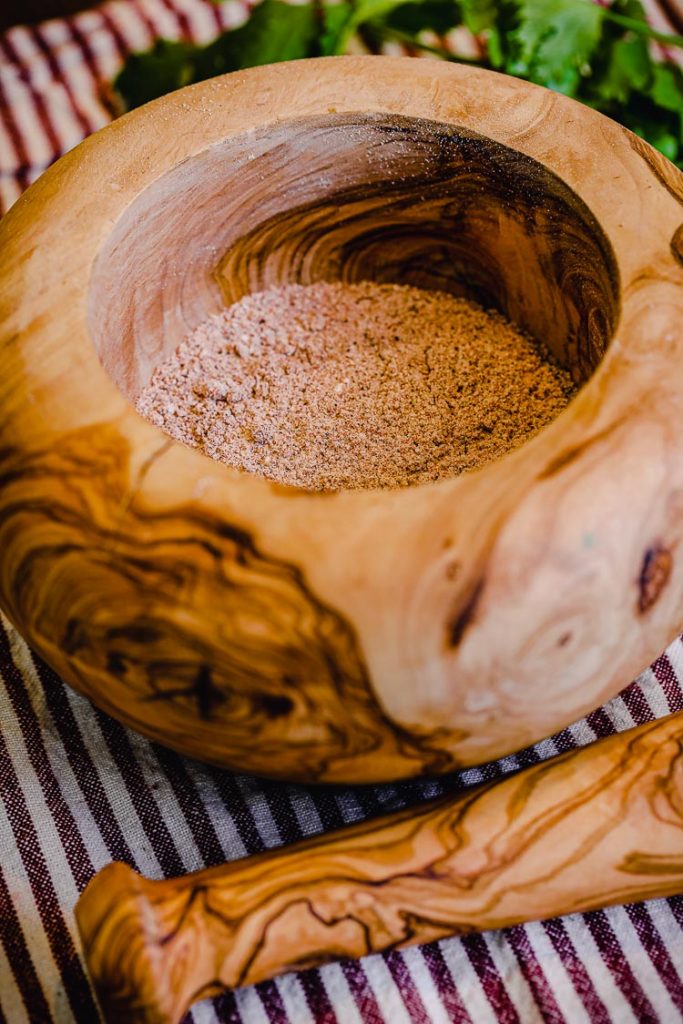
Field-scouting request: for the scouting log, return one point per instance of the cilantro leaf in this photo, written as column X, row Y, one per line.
column 667, row 87
column 146, row 76
column 364, row 12
column 627, row 67
column 438, row 15
column 556, row 40
column 479, row 15
column 276, row 31
column 665, row 141
column 335, row 18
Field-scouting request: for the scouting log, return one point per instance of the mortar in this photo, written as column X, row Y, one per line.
column 365, row 635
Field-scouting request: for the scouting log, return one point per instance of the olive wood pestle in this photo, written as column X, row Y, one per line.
column 595, row 826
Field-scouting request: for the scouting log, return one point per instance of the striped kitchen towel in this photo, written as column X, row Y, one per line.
column 77, row 790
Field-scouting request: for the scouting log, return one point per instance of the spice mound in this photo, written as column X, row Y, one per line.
column 331, row 386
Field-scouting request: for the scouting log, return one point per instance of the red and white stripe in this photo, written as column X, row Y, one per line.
column 78, row 790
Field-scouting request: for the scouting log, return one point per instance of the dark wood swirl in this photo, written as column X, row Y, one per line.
column 677, row 244
column 276, row 678
column 671, row 178
column 654, row 576
column 451, row 210
column 597, row 826
column 666, row 173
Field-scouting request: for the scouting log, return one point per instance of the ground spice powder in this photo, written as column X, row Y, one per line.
column 333, row 386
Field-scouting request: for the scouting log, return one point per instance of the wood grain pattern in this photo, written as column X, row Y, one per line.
column 354, row 636
column 596, row 826
column 352, row 197
column 672, row 180
column 300, row 696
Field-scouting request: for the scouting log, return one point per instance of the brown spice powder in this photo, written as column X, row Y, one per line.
column 333, row 386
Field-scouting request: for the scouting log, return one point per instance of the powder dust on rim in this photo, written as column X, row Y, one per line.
column 341, row 386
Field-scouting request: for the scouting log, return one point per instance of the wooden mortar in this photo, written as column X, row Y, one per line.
column 365, row 635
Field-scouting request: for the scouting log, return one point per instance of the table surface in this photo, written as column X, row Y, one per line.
column 77, row 790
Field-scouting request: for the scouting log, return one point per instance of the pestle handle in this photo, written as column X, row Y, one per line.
column 595, row 826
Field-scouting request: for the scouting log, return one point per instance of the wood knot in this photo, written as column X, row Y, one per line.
column 274, row 705
column 206, row 693
column 677, row 244
column 464, row 615
column 654, row 575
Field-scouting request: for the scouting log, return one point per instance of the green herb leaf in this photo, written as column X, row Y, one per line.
column 276, row 31
column 556, row 40
column 479, row 15
column 665, row 141
column 335, row 18
column 438, row 15
column 667, row 87
column 146, row 76
column 496, row 48
column 628, row 68
column 363, row 12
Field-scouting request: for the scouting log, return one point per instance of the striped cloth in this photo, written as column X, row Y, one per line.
column 77, row 790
